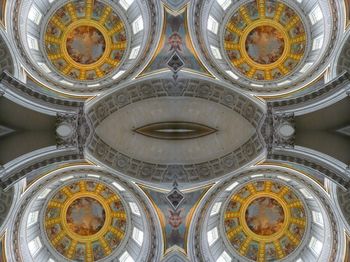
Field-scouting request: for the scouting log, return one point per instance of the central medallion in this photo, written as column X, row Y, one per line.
column 85, row 216
column 85, row 44
column 265, row 44
column 264, row 216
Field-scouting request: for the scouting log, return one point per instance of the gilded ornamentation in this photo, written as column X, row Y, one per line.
column 265, row 221
column 265, row 40
column 85, row 40
column 85, row 220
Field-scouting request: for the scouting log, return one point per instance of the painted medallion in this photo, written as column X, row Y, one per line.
column 85, row 216
column 265, row 216
column 265, row 44
column 85, row 44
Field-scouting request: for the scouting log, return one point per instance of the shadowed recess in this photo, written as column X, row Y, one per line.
column 175, row 130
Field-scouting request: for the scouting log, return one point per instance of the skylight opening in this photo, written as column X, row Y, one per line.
column 34, row 246
column 213, row 25
column 125, row 257
column 32, row 218
column 32, row 42
column 134, row 208
column 284, row 178
column 119, row 187
column 137, row 235
column 137, row 25
column 66, row 178
column 134, row 52
column 51, row 260
column 212, row 235
column 92, row 175
column 305, row 67
column 318, row 42
column 45, row 192
column 257, row 175
column 66, row 83
column 315, row 246
column 232, row 186
column 316, row 14
column 216, row 208
column 44, row 67
column 317, row 218
column 224, row 257
column 118, row 74
column 94, row 85
column 224, row 3
column 283, row 83
column 306, row 193
column 35, row 15
column 299, row 260
column 126, row 4
column 216, row 52
column 230, row 73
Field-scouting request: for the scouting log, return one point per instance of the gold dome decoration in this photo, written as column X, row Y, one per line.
column 265, row 221
column 85, row 40
column 85, row 221
column 265, row 40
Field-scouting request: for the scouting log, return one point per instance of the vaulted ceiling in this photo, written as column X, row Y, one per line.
column 166, row 130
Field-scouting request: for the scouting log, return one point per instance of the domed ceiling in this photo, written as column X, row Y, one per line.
column 265, row 221
column 265, row 41
column 85, row 220
column 85, row 40
column 166, row 130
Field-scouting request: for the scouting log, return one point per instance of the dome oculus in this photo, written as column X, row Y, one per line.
column 85, row 40
column 264, row 41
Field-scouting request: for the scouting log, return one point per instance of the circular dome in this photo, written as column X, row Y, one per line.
column 85, row 219
column 264, row 45
column 85, row 43
column 265, row 214
column 261, row 214
column 83, row 47
column 82, row 213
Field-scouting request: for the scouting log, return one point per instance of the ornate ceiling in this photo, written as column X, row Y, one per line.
column 166, row 130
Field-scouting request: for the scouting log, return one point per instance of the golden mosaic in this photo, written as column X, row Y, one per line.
column 85, row 40
column 265, row 221
column 85, row 221
column 265, row 40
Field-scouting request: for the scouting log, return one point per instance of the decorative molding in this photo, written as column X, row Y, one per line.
column 182, row 88
column 152, row 8
column 199, row 218
column 198, row 10
column 9, row 82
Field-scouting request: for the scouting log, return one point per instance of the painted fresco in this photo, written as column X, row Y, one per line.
column 85, row 44
column 257, row 225
column 175, row 39
column 85, row 216
column 175, row 223
column 265, row 44
column 80, row 230
column 265, row 216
